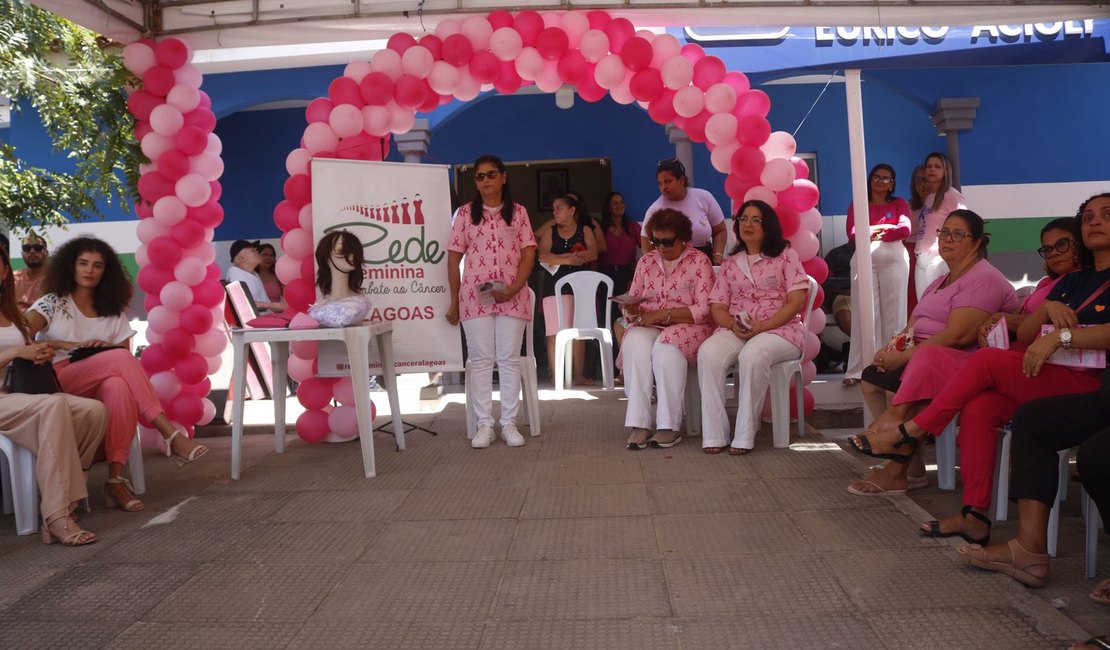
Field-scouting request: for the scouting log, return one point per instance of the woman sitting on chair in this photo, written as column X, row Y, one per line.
column 756, row 305
column 87, row 294
column 673, row 282
column 62, row 431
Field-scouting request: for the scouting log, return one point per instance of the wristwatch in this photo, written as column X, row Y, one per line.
column 1065, row 338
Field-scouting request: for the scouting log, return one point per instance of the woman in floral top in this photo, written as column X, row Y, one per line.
column 756, row 306
column 495, row 236
column 673, row 282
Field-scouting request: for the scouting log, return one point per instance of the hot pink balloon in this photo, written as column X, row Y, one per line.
column 738, row 81
column 158, row 80
column 708, row 71
column 190, row 140
column 753, row 102
column 661, row 109
column 619, row 31
column 171, row 53
column 344, row 90
column 636, row 54
column 192, row 368
column 312, row 426
column 753, row 131
column 298, row 190
column 485, row 67
column 457, row 49
column 552, row 43
column 818, row 269
column 572, row 67
column 432, row 43
column 646, row 85
column 528, row 24
column 400, row 42
column 748, row 162
column 800, row 196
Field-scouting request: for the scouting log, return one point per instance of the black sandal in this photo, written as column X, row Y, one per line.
column 935, row 531
column 865, row 446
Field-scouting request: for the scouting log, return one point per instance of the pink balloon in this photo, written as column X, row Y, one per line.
column 320, row 138
column 646, row 85
column 193, row 190
column 720, row 98
column 287, row 269
column 447, row 27
column 301, row 369
column 208, row 165
column 800, row 196
column 721, row 129
column 314, row 393
column 619, row 31
column 636, row 54
column 400, row 42
column 552, row 43
column 753, row 131
column 528, row 24
column 721, row 157
column 305, row 349
column 610, row 72
column 809, row 369
column 176, row 295
column 574, row 23
column 191, row 369
column 811, row 220
column 549, row 80
column 594, row 45
column 432, row 43
column 163, row 319
column 805, row 244
column 417, row 61
column 303, row 322
column 154, row 145
column 663, row 48
column 343, row 422
column 748, row 162
column 572, row 67
column 780, row 144
column 388, row 62
column 813, row 346
column 184, row 98
column 211, row 343
column 818, row 269
column 529, row 64
column 297, row 161
column 760, row 193
column 138, row 58
column 505, row 43
column 208, row 414
column 346, row 120
column 777, row 175
column 356, row 70
column 801, row 169
column 753, row 102
column 457, row 49
column 190, row 271
column 166, row 384
column 312, row 426
column 401, row 119
column 738, row 81
column 689, row 101
column 621, row 93
column 297, row 243
column 478, row 30
column 344, row 391
column 169, row 211
column 677, row 72
column 376, row 120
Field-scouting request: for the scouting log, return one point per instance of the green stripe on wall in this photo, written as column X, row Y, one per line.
column 128, row 260
column 1015, row 235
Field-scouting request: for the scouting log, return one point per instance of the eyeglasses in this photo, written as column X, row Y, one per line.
column 37, row 248
column 663, row 243
column 491, row 174
column 1062, row 245
column 755, row 221
column 955, row 236
column 882, row 180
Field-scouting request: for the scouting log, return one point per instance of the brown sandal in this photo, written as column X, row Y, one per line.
column 132, row 504
column 1030, row 569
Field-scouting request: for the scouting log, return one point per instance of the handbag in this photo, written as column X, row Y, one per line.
column 23, row 376
column 84, row 353
column 901, row 341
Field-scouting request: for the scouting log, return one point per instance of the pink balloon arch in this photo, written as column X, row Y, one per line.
column 593, row 51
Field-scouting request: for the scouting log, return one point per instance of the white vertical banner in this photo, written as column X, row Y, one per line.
column 402, row 215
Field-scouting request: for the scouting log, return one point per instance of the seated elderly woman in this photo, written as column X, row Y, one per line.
column 62, row 431
column 756, row 306
column 672, row 283
column 994, row 382
column 944, row 328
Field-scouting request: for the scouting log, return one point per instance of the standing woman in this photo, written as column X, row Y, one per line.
column 889, row 217
column 705, row 215
column 622, row 241
column 495, row 236
column 919, row 188
column 942, row 199
column 270, row 280
column 764, row 285
column 568, row 244
column 87, row 293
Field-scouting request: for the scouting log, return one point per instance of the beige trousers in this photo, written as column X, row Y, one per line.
column 64, row 432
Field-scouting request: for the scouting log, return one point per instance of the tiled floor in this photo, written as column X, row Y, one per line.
column 569, row 542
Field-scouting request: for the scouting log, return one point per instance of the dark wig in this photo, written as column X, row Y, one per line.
column 773, row 242
column 673, row 220
column 352, row 252
column 506, row 195
column 111, row 296
column 8, row 305
column 975, row 225
column 1086, row 257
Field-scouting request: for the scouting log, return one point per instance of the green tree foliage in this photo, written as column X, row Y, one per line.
column 74, row 80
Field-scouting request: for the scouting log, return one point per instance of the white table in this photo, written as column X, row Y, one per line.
column 357, row 338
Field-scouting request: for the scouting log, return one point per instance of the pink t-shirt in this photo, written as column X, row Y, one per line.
column 1040, row 293
column 687, row 285
column 983, row 287
column 892, row 213
column 491, row 251
column 760, row 289
column 930, row 220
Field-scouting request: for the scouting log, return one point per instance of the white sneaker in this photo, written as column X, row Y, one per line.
column 511, row 436
column 483, row 437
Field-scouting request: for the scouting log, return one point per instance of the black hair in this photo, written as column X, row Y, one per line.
column 583, row 213
column 975, row 225
column 773, row 242
column 506, row 195
column 572, row 200
column 111, row 295
column 1086, row 257
column 352, row 252
column 893, row 181
column 674, row 167
column 1060, row 223
column 607, row 217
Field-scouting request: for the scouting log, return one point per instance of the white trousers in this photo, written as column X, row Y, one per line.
column 492, row 339
column 890, row 273
column 754, row 359
column 929, row 267
column 646, row 360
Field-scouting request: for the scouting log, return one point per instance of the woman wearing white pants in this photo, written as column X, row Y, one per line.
column 889, row 220
column 756, row 305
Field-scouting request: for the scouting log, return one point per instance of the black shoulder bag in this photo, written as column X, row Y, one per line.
column 23, row 376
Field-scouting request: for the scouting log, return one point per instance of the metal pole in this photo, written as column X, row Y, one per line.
column 865, row 338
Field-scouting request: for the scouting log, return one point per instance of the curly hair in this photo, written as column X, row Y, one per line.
column 673, row 220
column 111, row 295
column 8, row 306
column 773, row 242
column 352, row 252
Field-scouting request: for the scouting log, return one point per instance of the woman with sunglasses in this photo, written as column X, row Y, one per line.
column 672, row 283
column 707, row 220
column 889, row 217
column 938, row 204
column 85, row 307
column 994, row 382
column 495, row 236
column 756, row 305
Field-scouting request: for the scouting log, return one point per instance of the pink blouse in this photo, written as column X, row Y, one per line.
column 929, row 220
column 687, row 285
column 1040, row 293
column 760, row 289
column 492, row 252
column 895, row 212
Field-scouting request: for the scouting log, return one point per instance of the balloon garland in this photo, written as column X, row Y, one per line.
column 178, row 212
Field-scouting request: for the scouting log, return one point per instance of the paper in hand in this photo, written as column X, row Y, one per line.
column 485, row 292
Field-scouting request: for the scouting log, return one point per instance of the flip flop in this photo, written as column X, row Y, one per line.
column 1102, row 588
column 913, row 482
column 864, row 446
column 881, row 490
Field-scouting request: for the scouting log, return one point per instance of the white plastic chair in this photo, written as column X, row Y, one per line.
column 1090, row 511
column 781, row 374
column 529, row 382
column 946, row 456
column 584, row 325
column 17, row 475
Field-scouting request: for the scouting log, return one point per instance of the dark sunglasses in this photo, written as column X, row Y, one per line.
column 38, row 248
column 663, row 243
column 491, row 174
column 1062, row 245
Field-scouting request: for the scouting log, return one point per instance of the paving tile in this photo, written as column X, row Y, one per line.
column 49, row 635
column 580, row 635
column 232, row 506
column 729, row 533
column 845, row 630
column 588, row 537
column 972, row 628
column 508, row 473
column 586, row 501
column 746, row 585
column 394, row 635
column 588, row 470
column 340, row 506
column 582, row 589
column 847, row 530
column 711, row 496
column 413, row 592
column 473, row 540
column 122, row 593
column 821, row 494
column 299, row 543
column 168, row 636
column 19, row 581
column 192, row 543
column 277, row 593
column 462, row 503
column 722, row 467
column 917, row 576
column 811, row 459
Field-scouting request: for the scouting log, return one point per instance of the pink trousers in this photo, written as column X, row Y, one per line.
column 116, row 379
